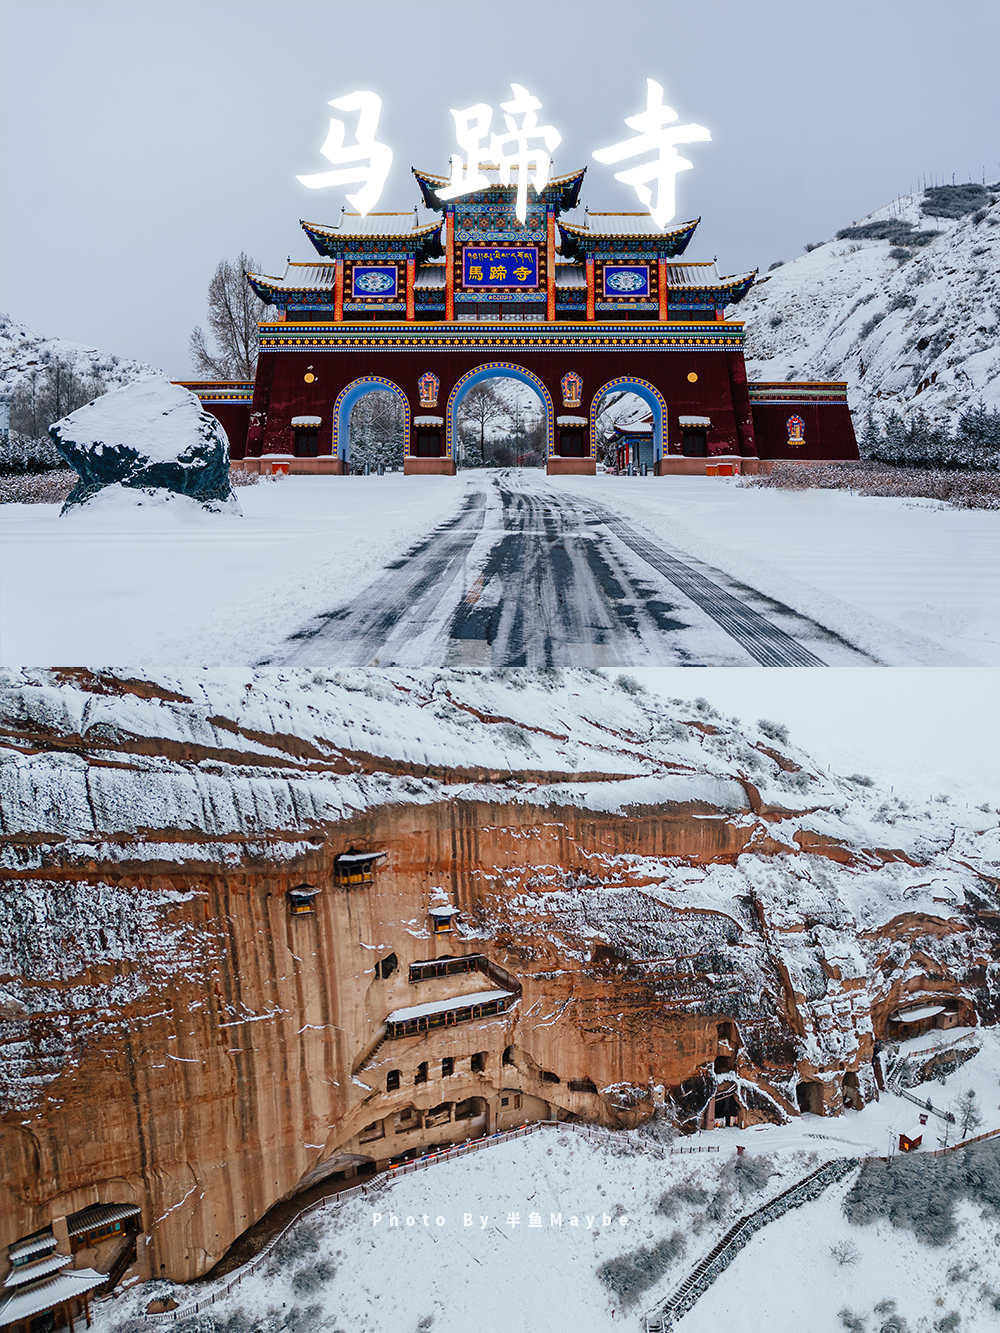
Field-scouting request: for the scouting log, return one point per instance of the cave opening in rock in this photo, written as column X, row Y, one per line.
column 809, row 1097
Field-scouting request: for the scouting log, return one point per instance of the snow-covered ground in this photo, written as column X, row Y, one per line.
column 911, row 582
column 917, row 334
column 155, row 585
column 908, row 580
column 476, row 1268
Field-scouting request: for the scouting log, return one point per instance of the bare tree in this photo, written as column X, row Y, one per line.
column 967, row 1112
column 234, row 313
column 40, row 398
column 482, row 409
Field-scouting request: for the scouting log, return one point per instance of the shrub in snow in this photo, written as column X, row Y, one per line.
column 678, row 1196
column 948, row 1323
column 776, row 320
column 45, row 488
column 151, row 436
column 891, row 229
column 901, row 255
column 630, row 685
column 778, row 263
column 871, row 324
column 854, row 1323
column 845, row 1253
column 919, row 1194
column 312, row 1277
column 953, row 201
column 630, row 1275
column 905, row 299
column 749, row 1174
column 862, row 780
column 775, row 731
column 813, row 245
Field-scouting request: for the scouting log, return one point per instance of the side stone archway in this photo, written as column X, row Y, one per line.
column 346, row 399
column 650, row 394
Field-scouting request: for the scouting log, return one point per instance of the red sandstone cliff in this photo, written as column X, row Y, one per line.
column 675, row 910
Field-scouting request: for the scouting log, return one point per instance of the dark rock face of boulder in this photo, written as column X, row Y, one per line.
column 150, row 436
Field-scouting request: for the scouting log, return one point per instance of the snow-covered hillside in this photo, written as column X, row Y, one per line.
column 910, row 327
column 23, row 351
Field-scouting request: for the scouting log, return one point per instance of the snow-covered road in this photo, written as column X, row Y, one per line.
column 528, row 575
column 504, row 569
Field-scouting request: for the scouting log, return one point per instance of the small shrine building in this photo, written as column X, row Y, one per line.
column 574, row 304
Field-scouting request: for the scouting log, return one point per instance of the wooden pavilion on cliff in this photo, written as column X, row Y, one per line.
column 572, row 303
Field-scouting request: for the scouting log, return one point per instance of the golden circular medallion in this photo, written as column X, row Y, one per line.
column 309, row 377
column 692, row 377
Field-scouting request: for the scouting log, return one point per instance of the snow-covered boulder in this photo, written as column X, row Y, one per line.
column 151, row 436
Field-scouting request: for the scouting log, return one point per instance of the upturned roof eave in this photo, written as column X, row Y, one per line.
column 579, row 230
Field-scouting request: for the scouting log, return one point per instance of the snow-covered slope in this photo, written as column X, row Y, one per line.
column 23, row 351
column 908, row 334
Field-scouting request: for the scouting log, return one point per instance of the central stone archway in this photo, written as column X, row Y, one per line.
column 495, row 370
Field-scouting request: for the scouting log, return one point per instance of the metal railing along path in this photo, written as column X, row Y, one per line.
column 372, row 1188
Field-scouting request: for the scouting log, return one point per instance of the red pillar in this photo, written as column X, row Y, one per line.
column 338, row 292
column 449, row 270
column 591, row 291
column 550, row 263
column 411, row 271
column 663, row 290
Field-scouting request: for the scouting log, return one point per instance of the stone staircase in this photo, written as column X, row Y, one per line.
column 739, row 1234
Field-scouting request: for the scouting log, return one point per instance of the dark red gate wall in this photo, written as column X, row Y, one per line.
column 282, row 391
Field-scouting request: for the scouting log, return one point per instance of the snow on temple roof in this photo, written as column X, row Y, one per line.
column 431, row 275
column 63, row 1287
column 621, row 224
column 23, row 1249
column 416, row 222
column 99, row 1215
column 300, row 277
column 915, row 1015
column 51, row 1263
column 492, row 174
column 571, row 275
column 456, row 1002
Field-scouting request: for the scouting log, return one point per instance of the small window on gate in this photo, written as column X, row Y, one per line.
column 571, row 443
column 306, row 443
column 695, row 443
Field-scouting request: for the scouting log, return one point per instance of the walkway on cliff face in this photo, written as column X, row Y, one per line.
column 529, row 576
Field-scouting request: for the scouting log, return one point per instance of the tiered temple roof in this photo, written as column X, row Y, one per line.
column 587, row 265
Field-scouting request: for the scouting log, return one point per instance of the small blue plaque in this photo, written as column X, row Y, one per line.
column 626, row 280
column 374, row 280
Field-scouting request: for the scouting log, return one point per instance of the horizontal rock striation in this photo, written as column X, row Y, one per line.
column 589, row 904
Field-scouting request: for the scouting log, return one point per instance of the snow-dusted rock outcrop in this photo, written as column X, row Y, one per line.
column 151, row 436
column 909, row 327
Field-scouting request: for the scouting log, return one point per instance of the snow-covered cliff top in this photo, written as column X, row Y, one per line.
column 127, row 769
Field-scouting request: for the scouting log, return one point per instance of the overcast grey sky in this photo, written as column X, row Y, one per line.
column 144, row 140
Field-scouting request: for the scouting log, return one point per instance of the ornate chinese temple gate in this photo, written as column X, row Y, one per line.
column 571, row 303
